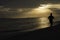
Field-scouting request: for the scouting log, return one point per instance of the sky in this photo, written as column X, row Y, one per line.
column 28, row 8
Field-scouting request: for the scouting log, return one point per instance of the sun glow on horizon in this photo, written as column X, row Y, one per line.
column 43, row 9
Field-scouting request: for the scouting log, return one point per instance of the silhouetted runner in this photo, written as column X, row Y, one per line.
column 51, row 19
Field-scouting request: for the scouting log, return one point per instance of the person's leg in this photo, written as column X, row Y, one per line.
column 51, row 23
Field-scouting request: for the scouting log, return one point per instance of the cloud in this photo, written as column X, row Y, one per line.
column 53, row 1
column 20, row 3
column 2, row 8
column 24, row 8
column 13, row 12
column 25, row 3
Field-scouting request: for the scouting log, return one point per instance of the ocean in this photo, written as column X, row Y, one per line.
column 22, row 24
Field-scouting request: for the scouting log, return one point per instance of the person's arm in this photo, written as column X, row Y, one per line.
column 49, row 17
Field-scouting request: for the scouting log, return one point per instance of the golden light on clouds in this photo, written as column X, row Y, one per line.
column 42, row 10
column 20, row 10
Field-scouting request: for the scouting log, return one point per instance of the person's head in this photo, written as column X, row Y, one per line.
column 50, row 14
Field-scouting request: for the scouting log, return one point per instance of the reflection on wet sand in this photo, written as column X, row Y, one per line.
column 23, row 24
column 44, row 22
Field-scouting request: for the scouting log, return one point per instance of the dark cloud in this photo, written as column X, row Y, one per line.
column 53, row 1
column 20, row 3
column 25, row 3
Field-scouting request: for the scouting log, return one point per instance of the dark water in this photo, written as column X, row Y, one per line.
column 22, row 24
